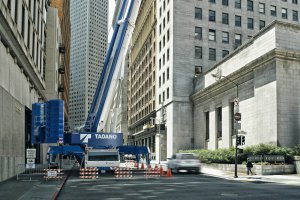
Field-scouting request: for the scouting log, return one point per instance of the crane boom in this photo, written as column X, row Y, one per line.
column 115, row 55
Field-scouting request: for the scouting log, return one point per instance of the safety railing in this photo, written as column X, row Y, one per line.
column 32, row 172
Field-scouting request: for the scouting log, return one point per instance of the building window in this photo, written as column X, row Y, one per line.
column 250, row 23
column 159, row 81
column 198, row 70
column 168, row 54
column 262, row 24
column 164, row 59
column 237, row 4
column 219, row 122
column 225, row 2
column 273, row 10
column 198, row 33
column 164, row 41
column 198, row 13
column 212, row 1
column 238, row 21
column 159, row 63
column 159, row 99
column 168, row 35
column 212, row 35
column 295, row 15
column 224, row 53
column 238, row 39
column 206, row 125
column 28, row 34
column 168, row 16
column 9, row 5
column 250, row 5
column 168, row 74
column 168, row 93
column 160, row 11
column 198, row 52
column 284, row 13
column 23, row 22
column 160, row 46
column 16, row 11
column 159, row 29
column 295, row 1
column 212, row 54
column 225, row 18
column 225, row 37
column 212, row 16
column 164, row 80
column 262, row 8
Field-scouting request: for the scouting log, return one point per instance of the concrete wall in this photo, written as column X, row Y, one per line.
column 257, row 169
column 288, row 106
column 12, row 135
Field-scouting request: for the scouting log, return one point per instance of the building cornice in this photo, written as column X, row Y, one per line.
column 243, row 74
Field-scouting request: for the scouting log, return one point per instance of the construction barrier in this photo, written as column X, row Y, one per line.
column 126, row 172
column 89, row 173
column 151, row 173
column 53, row 174
column 123, row 172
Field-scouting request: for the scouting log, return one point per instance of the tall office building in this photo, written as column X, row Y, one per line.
column 141, row 75
column 22, row 77
column 63, row 7
column 191, row 37
column 88, row 49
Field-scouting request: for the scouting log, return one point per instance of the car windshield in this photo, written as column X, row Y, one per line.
column 187, row 156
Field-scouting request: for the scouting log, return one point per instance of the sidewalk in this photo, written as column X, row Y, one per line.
column 36, row 188
column 288, row 179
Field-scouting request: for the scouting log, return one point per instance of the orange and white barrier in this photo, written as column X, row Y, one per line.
column 88, row 173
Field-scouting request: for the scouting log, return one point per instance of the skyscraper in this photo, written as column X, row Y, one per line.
column 88, row 49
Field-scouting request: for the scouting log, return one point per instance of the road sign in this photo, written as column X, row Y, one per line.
column 237, row 126
column 30, row 166
column 30, row 153
column 52, row 173
column 30, row 161
column 237, row 116
column 236, row 102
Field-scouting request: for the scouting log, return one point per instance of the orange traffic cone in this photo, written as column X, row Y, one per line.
column 161, row 171
column 135, row 165
column 142, row 167
column 169, row 173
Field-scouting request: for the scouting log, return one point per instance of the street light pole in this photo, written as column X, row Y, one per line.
column 236, row 132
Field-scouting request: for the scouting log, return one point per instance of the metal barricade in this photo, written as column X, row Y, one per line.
column 25, row 172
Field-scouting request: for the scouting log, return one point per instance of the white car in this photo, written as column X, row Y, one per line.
column 184, row 161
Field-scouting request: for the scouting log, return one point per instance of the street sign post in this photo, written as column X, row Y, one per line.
column 30, row 153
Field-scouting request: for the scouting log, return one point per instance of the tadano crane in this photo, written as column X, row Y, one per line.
column 80, row 143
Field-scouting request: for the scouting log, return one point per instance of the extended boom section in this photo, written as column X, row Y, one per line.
column 112, row 66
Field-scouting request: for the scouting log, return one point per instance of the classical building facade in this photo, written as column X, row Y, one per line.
column 264, row 74
column 88, row 49
column 192, row 36
column 141, row 76
column 22, row 77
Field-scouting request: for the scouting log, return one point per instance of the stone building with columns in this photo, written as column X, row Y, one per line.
column 266, row 72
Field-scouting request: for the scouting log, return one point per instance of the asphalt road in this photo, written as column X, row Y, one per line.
column 179, row 186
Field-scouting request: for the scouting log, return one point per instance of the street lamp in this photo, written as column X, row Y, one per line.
column 218, row 76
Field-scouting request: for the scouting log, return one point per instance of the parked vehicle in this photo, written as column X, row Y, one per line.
column 183, row 161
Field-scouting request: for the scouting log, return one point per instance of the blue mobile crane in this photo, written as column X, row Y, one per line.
column 48, row 125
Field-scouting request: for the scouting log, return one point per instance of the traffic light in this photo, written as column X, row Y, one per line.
column 243, row 140
column 238, row 140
